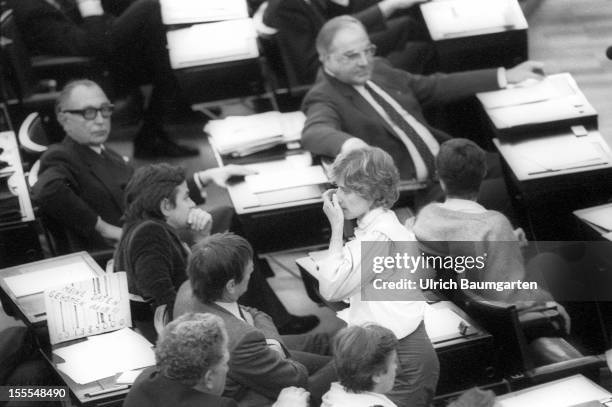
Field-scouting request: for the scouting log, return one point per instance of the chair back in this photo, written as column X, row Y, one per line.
column 32, row 135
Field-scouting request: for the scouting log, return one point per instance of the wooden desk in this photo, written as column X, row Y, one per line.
column 567, row 392
column 18, row 237
column 476, row 34
column 31, row 308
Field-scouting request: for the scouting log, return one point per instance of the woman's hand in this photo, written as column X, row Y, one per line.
column 332, row 209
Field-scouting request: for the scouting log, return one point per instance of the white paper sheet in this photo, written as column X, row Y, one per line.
column 105, row 355
column 37, row 281
column 447, row 19
column 441, row 323
column 551, row 87
column 266, row 182
column 599, row 216
column 564, row 393
column 200, row 11
column 541, row 112
column 211, row 43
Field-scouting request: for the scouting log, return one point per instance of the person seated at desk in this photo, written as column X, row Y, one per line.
column 366, row 361
column 401, row 39
column 367, row 186
column 128, row 35
column 81, row 181
column 360, row 100
column 158, row 206
column 262, row 362
column 461, row 166
column 192, row 364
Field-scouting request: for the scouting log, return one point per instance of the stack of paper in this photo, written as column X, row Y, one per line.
column 556, row 97
column 200, row 11
column 442, row 323
column 600, row 216
column 243, row 135
column 38, row 281
column 459, row 18
column 211, row 43
column 105, row 355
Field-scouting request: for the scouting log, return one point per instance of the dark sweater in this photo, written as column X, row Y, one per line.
column 155, row 260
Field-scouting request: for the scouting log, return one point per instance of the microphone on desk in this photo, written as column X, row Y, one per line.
column 609, row 52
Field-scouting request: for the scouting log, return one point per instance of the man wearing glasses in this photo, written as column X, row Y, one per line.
column 81, row 182
column 360, row 100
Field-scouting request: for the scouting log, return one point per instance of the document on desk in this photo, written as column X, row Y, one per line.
column 600, row 216
column 38, row 281
column 462, row 18
column 557, row 97
column 561, row 393
column 242, row 134
column 200, row 11
column 290, row 178
column 541, row 156
column 88, row 307
column 211, row 43
column 442, row 323
column 105, row 355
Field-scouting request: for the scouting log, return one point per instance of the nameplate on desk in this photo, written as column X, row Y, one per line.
column 211, row 43
column 464, row 18
column 200, row 11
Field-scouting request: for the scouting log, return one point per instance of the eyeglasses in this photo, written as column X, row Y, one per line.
column 354, row 56
column 90, row 113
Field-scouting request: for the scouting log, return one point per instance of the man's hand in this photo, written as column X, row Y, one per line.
column 332, row 209
column 200, row 221
column 524, row 71
column 108, row 231
column 89, row 8
column 353, row 143
column 292, row 397
column 220, row 175
column 388, row 7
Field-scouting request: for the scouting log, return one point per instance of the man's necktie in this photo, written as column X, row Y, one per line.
column 410, row 132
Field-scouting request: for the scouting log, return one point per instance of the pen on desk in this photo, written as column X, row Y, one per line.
column 108, row 390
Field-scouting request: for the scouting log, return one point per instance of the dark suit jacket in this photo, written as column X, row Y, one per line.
column 76, row 185
column 336, row 111
column 48, row 30
column 256, row 374
column 299, row 23
column 152, row 389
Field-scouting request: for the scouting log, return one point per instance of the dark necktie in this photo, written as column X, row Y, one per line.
column 410, row 132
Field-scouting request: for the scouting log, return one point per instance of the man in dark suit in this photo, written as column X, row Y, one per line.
column 360, row 100
column 262, row 362
column 402, row 39
column 132, row 43
column 192, row 363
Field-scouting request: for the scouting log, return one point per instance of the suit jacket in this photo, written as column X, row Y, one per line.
column 336, row 111
column 299, row 23
column 257, row 373
column 76, row 185
column 152, row 389
column 49, row 30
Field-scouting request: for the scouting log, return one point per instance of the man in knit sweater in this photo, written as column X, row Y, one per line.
column 476, row 231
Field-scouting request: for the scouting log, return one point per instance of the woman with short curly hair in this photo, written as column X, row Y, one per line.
column 367, row 187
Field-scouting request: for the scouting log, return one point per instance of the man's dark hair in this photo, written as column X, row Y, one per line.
column 149, row 186
column 462, row 166
column 360, row 353
column 215, row 261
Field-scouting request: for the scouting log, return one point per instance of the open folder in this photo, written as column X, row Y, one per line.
column 200, row 11
column 211, row 43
